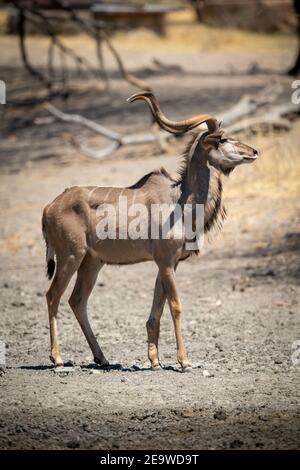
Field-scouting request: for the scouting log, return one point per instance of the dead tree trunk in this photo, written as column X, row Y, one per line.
column 295, row 70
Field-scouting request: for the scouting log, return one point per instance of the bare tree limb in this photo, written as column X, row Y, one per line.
column 124, row 73
column 129, row 139
column 99, row 52
column 76, row 118
column 276, row 117
column 50, row 60
column 101, row 34
column 285, row 110
column 22, row 31
column 249, row 104
column 97, row 154
column 83, row 62
column 118, row 139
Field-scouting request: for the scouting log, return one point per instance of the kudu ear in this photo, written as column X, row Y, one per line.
column 212, row 139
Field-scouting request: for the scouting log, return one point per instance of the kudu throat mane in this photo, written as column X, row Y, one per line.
column 215, row 212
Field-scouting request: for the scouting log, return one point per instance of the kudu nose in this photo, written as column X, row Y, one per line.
column 250, row 157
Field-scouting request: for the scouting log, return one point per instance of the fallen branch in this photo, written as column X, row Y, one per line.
column 285, row 110
column 249, row 104
column 97, row 154
column 276, row 117
column 76, row 118
column 118, row 139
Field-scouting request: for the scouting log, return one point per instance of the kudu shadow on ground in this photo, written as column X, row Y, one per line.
column 289, row 246
column 93, row 368
column 268, row 259
column 133, row 368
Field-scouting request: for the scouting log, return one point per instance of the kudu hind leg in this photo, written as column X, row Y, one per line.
column 86, row 279
column 65, row 269
column 169, row 283
column 153, row 323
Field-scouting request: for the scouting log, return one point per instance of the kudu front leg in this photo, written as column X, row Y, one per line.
column 169, row 283
column 153, row 323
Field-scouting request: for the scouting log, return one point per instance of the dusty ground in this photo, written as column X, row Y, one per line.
column 240, row 297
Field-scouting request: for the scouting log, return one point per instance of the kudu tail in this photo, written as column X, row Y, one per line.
column 49, row 253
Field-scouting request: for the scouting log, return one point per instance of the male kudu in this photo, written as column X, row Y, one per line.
column 70, row 229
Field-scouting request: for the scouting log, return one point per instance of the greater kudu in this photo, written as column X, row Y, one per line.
column 70, row 229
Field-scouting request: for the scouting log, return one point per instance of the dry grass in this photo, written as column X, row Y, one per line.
column 276, row 172
column 184, row 32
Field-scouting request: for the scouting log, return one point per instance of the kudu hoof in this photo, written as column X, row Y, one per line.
column 101, row 362
column 187, row 369
column 156, row 367
column 58, row 363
